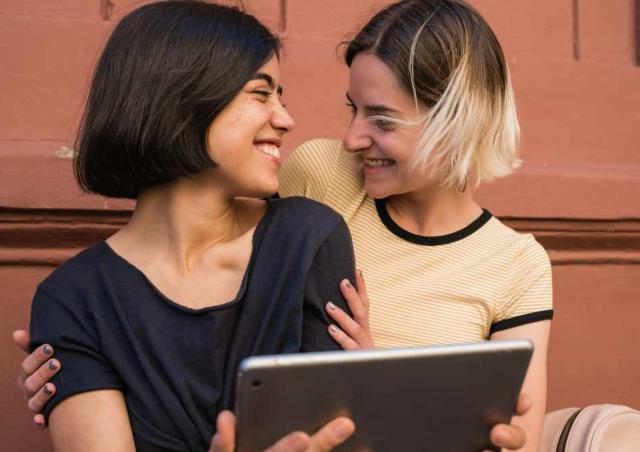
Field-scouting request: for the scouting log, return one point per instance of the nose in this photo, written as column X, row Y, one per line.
column 357, row 137
column 282, row 120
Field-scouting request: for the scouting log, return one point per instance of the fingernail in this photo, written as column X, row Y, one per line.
column 331, row 306
column 341, row 430
column 333, row 329
column 46, row 348
column 53, row 365
column 347, row 284
column 46, row 390
column 361, row 274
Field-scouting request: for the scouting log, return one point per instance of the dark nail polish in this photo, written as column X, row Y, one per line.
column 47, row 391
column 46, row 349
column 348, row 285
column 52, row 365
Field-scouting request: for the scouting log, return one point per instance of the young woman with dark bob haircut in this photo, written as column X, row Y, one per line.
column 433, row 116
column 184, row 115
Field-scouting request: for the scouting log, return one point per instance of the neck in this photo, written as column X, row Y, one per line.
column 179, row 221
column 434, row 211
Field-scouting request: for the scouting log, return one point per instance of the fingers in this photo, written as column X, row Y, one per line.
column 38, row 420
column 225, row 437
column 342, row 339
column 510, row 437
column 35, row 381
column 34, row 361
column 37, row 402
column 359, row 310
column 346, row 323
column 21, row 338
column 525, row 403
column 293, row 442
column 361, row 287
column 331, row 435
column 327, row 438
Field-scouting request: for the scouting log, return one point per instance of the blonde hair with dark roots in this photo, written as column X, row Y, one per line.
column 447, row 57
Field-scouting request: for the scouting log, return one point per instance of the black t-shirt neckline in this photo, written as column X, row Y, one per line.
column 397, row 230
column 256, row 240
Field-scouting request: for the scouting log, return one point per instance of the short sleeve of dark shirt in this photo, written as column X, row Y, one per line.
column 112, row 329
column 69, row 329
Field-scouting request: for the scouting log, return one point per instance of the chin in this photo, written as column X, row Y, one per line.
column 377, row 191
column 263, row 191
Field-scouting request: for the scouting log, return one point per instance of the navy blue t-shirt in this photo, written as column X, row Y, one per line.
column 112, row 329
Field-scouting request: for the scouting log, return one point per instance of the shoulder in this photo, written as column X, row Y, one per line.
column 75, row 274
column 301, row 212
column 303, row 225
column 525, row 257
column 323, row 150
column 308, row 170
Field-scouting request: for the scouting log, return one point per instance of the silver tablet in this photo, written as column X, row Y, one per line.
column 443, row 398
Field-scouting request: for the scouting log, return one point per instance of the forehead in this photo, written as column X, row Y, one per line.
column 272, row 69
column 370, row 77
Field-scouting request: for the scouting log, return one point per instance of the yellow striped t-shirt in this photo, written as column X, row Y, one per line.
column 426, row 290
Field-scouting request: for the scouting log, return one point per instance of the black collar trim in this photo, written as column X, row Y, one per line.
column 429, row 240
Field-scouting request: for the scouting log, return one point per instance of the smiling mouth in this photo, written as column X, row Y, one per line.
column 268, row 149
column 377, row 163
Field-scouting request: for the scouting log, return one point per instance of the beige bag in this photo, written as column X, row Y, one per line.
column 596, row 428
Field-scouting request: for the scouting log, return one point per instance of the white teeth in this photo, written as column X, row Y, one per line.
column 269, row 149
column 378, row 163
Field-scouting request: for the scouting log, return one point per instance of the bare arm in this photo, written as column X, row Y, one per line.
column 93, row 421
column 535, row 383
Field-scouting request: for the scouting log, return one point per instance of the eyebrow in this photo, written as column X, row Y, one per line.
column 378, row 109
column 267, row 78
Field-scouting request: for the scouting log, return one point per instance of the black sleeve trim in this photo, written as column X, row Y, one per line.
column 521, row 320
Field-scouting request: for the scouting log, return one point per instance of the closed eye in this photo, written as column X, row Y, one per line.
column 383, row 124
column 262, row 93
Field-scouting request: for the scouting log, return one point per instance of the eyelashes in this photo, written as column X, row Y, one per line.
column 267, row 94
column 381, row 122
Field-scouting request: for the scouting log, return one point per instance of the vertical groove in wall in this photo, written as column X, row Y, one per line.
column 282, row 25
column 576, row 29
column 106, row 9
column 637, row 20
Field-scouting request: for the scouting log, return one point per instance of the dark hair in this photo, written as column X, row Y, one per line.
column 168, row 69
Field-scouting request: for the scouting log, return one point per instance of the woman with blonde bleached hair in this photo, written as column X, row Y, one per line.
column 433, row 115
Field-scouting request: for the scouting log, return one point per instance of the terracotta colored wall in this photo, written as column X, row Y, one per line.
column 575, row 69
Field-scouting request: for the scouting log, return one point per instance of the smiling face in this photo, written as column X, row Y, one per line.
column 244, row 139
column 386, row 148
